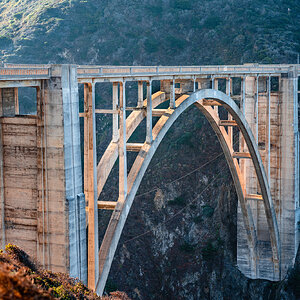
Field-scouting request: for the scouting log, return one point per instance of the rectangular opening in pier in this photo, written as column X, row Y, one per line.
column 274, row 84
column 27, row 101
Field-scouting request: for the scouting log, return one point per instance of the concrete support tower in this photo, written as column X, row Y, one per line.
column 41, row 201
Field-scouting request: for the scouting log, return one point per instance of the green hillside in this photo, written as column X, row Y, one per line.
column 152, row 32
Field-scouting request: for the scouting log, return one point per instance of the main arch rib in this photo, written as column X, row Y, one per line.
column 144, row 157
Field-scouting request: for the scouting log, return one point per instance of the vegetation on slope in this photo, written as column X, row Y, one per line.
column 162, row 32
column 21, row 279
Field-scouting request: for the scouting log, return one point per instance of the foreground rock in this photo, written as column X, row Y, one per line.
column 20, row 278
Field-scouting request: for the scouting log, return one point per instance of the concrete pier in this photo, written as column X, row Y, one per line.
column 41, row 172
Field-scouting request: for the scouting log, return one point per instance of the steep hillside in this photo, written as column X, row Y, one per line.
column 150, row 32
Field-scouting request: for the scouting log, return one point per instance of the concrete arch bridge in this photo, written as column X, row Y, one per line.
column 261, row 102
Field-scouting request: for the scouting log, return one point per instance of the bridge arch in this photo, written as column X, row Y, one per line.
column 119, row 216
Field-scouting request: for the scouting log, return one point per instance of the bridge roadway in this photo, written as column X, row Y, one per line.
column 44, row 205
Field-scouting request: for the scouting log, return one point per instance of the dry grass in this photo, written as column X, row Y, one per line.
column 21, row 279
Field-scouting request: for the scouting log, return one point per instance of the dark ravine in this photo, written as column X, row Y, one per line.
column 178, row 242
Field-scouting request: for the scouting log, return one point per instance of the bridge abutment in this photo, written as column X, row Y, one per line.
column 273, row 117
column 41, row 180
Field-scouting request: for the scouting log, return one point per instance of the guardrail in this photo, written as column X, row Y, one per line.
column 24, row 73
column 112, row 71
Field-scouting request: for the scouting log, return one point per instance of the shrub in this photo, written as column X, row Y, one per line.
column 185, row 139
column 110, row 286
column 187, row 247
column 208, row 211
column 212, row 22
column 182, row 4
column 61, row 293
column 5, row 42
column 174, row 43
column 197, row 219
column 178, row 201
column 193, row 206
column 209, row 251
column 151, row 45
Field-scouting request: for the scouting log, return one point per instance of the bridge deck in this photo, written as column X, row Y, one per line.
column 114, row 73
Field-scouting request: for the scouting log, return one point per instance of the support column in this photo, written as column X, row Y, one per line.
column 122, row 145
column 2, row 194
column 115, row 136
column 256, row 110
column 215, row 85
column 41, row 181
column 172, row 94
column 72, row 167
column 149, row 137
column 242, row 108
column 228, row 92
column 289, row 180
column 17, row 108
column 268, row 132
column 93, row 265
column 249, row 181
column 140, row 94
column 86, row 142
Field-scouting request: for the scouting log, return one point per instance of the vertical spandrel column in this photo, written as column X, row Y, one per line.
column 140, row 94
column 172, row 94
column 268, row 131
column 149, row 137
column 215, row 85
column 115, row 117
column 228, row 92
column 122, row 146
column 92, row 195
column 86, row 140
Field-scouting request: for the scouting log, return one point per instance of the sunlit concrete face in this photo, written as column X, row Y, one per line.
column 41, row 193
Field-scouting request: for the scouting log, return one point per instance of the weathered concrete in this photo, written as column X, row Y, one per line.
column 41, row 170
column 8, row 100
column 90, row 167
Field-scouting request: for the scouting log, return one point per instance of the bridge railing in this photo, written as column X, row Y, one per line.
column 110, row 71
column 20, row 71
column 25, row 73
